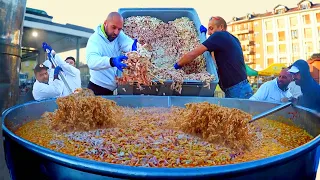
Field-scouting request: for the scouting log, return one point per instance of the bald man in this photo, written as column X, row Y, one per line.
column 103, row 54
column 276, row 90
column 229, row 59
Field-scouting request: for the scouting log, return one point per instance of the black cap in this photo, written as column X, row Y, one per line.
column 39, row 67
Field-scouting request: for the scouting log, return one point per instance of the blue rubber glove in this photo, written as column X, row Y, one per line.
column 47, row 49
column 134, row 45
column 117, row 62
column 56, row 72
column 176, row 66
column 203, row 29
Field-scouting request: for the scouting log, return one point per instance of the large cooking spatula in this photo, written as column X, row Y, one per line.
column 273, row 110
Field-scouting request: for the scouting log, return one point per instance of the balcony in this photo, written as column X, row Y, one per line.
column 249, row 61
column 248, row 52
column 242, row 31
column 246, row 41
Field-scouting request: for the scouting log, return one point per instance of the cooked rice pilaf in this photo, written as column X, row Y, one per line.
column 202, row 134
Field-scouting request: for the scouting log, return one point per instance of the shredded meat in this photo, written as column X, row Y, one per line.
column 215, row 124
column 83, row 111
column 169, row 41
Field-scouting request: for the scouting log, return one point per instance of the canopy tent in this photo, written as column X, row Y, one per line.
column 272, row 70
column 250, row 71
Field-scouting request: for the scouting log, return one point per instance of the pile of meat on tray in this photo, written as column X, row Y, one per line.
column 163, row 45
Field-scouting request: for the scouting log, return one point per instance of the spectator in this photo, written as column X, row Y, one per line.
column 276, row 90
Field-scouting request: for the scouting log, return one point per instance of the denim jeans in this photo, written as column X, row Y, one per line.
column 241, row 90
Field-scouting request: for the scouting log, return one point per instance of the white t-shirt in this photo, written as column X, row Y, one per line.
column 270, row 92
column 294, row 89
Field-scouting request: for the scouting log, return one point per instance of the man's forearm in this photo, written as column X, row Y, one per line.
column 187, row 58
column 190, row 56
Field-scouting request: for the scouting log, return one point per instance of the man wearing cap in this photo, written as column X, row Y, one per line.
column 103, row 54
column 229, row 59
column 309, row 87
column 70, row 72
column 44, row 88
column 276, row 90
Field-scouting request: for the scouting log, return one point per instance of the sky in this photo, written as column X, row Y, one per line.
column 90, row 13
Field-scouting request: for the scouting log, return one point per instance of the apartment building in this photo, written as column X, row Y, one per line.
column 283, row 35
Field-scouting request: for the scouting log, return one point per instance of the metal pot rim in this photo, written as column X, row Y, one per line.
column 124, row 171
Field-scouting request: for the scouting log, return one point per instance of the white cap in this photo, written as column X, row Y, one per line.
column 293, row 69
column 47, row 63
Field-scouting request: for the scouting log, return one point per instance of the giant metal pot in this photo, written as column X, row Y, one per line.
column 30, row 161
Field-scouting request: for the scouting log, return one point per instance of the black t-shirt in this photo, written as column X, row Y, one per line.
column 229, row 57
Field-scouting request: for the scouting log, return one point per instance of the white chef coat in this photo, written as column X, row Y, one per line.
column 71, row 74
column 270, row 92
column 43, row 91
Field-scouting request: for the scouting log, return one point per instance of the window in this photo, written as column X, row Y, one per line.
column 256, row 34
column 258, row 45
column 295, row 48
column 270, row 61
column 251, row 58
column 294, row 58
column 250, row 26
column 282, row 48
column 269, row 37
column 309, row 47
column 318, row 17
column 306, row 19
column 281, row 11
column 283, row 60
column 270, row 50
column 294, row 34
column 293, row 21
column 269, row 25
column 251, row 48
column 245, row 26
column 281, row 36
column 305, row 5
column 281, row 23
column 245, row 57
column 237, row 27
column 257, row 56
column 308, row 33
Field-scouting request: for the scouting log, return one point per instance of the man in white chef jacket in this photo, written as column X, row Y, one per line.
column 276, row 90
column 71, row 73
column 45, row 88
column 103, row 54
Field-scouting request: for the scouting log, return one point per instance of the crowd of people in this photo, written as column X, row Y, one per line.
column 104, row 57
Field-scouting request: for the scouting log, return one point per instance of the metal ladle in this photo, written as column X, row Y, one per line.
column 273, row 110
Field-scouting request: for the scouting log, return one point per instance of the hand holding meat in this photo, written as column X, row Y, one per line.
column 117, row 62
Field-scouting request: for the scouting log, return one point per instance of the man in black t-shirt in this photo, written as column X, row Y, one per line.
column 229, row 58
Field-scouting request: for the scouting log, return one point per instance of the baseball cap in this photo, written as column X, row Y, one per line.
column 47, row 63
column 293, row 69
column 39, row 67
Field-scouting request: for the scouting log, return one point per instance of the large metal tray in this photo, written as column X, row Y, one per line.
column 190, row 87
